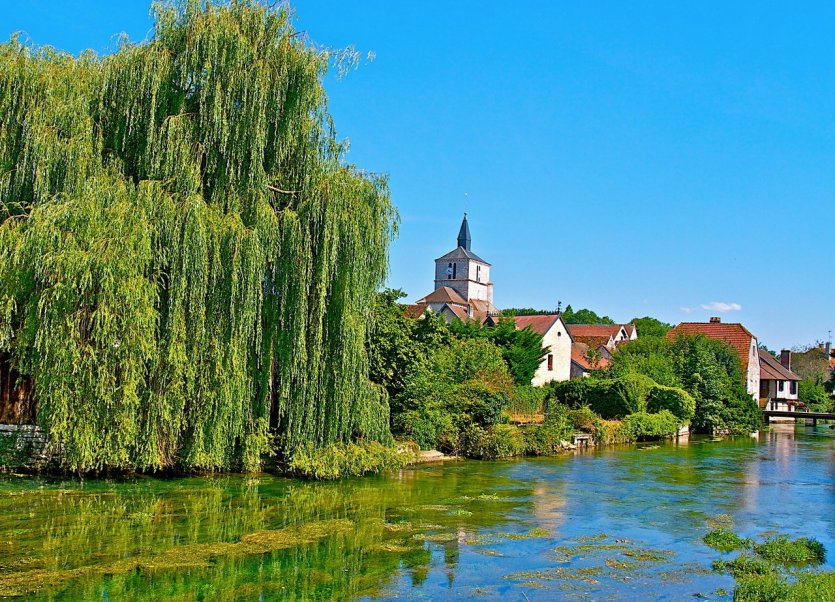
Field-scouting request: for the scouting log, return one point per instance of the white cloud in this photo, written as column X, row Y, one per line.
column 721, row 306
column 686, row 310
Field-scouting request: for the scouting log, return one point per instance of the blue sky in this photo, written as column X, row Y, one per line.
column 636, row 161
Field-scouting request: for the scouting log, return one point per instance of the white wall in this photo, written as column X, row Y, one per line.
column 754, row 370
column 470, row 282
column 560, row 342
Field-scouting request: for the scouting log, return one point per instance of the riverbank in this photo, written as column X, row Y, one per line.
column 621, row 522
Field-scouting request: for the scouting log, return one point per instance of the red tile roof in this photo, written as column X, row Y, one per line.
column 595, row 330
column 579, row 353
column 772, row 369
column 540, row 324
column 736, row 335
column 592, row 341
column 443, row 294
column 458, row 311
column 415, row 310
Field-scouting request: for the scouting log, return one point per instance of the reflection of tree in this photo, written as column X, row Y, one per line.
column 189, row 537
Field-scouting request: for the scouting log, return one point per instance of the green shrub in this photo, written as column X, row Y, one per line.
column 583, row 419
column 643, row 426
column 677, row 401
column 570, row 393
column 346, row 459
column 500, row 441
column 632, row 388
column 546, row 439
column 481, row 401
column 726, row 541
column 783, row 550
column 527, row 400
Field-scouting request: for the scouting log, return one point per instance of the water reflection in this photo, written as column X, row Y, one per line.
column 603, row 523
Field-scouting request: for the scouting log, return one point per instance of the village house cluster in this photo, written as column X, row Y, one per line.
column 464, row 291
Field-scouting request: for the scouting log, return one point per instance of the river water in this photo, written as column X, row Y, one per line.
column 620, row 523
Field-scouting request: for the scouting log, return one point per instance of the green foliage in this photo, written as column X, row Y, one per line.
column 725, row 540
column 707, row 369
column 648, row 356
column 677, row 401
column 186, row 261
column 527, row 401
column 787, row 551
column 522, row 349
column 633, row 389
column 763, row 577
column 546, row 438
column 651, row 327
column 643, row 426
column 815, row 396
column 584, row 316
column 464, row 382
column 500, row 441
column 346, row 459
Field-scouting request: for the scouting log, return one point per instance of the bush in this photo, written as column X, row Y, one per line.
column 643, row 426
column 527, row 401
column 632, row 389
column 346, row 459
column 500, row 441
column 546, row 439
column 677, row 401
column 481, row 401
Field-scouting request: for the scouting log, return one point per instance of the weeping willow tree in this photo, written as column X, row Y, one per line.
column 186, row 260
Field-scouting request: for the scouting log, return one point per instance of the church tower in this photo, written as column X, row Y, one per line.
column 464, row 271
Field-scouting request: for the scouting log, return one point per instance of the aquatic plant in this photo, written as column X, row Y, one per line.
column 783, row 550
column 186, row 261
column 726, row 541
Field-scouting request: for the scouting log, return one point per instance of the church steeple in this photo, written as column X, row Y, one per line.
column 464, row 239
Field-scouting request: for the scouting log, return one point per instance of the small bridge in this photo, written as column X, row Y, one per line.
column 813, row 416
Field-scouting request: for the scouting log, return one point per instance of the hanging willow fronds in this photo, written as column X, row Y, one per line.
column 186, row 262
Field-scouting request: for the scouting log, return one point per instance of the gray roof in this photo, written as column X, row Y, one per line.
column 462, row 253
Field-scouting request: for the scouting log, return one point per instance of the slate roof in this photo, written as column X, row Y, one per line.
column 772, row 369
column 462, row 253
column 736, row 335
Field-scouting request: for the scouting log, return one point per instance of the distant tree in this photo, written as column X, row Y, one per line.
column 651, row 327
column 524, row 311
column 584, row 316
column 811, row 363
column 814, row 396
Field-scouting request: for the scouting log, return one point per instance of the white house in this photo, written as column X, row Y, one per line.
column 735, row 335
column 555, row 333
column 778, row 384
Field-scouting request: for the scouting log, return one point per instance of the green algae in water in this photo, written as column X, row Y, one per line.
column 535, row 533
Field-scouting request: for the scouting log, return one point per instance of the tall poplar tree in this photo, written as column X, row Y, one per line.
column 187, row 262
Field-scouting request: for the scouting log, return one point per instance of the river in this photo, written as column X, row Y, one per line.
column 619, row 523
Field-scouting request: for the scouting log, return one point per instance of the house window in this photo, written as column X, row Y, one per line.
column 779, row 385
column 550, row 362
column 793, row 387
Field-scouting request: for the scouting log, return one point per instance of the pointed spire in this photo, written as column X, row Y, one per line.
column 464, row 239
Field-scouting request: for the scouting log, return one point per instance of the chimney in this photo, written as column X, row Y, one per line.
column 716, row 320
column 786, row 359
